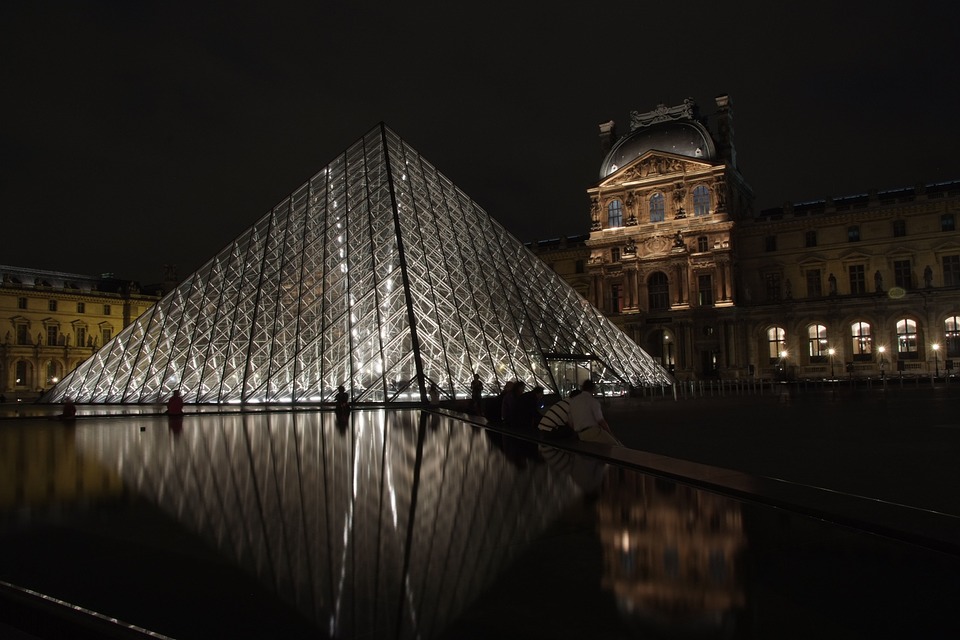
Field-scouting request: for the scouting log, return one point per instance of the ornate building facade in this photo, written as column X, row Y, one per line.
column 860, row 286
column 53, row 321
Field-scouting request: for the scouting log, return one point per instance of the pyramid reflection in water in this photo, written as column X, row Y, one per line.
column 378, row 274
column 388, row 525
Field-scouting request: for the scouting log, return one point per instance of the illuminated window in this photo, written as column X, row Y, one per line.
column 658, row 291
column 701, row 200
column 615, row 214
column 21, row 303
column 702, row 244
column 817, row 341
column 907, row 338
column 814, row 283
column 656, row 207
column 862, row 342
column 901, row 274
column 53, row 372
column 52, row 305
column 776, row 341
column 810, row 239
column 853, row 233
column 951, row 271
column 705, row 290
column 947, row 222
column 899, row 228
column 951, row 332
column 858, row 279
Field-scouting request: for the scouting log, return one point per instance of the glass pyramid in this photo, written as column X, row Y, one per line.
column 378, row 274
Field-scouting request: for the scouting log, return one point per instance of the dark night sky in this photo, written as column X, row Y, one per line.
column 138, row 134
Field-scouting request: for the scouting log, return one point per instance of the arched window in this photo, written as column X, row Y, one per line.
column 817, row 339
column 53, row 372
column 658, row 291
column 907, row 338
column 951, row 332
column 701, row 200
column 21, row 373
column 615, row 214
column 656, row 207
column 660, row 344
column 777, row 341
column 862, row 342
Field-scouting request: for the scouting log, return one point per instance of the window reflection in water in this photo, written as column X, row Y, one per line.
column 672, row 554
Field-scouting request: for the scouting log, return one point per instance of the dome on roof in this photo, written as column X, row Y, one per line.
column 681, row 137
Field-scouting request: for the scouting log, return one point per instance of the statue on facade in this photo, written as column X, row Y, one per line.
column 928, row 277
column 832, row 283
column 878, row 281
column 678, row 240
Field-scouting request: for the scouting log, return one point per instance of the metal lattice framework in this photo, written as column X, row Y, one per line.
column 377, row 274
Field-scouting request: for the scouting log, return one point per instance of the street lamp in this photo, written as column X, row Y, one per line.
column 831, row 351
column 883, row 362
column 936, row 360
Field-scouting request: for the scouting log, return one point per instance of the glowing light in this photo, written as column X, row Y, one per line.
column 935, row 346
column 831, row 351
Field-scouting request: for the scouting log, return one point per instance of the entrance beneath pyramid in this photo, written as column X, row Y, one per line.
column 570, row 370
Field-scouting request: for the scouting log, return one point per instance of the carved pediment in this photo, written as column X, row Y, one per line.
column 654, row 164
column 657, row 245
column 854, row 256
column 813, row 261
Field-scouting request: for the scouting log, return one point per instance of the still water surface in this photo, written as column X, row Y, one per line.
column 405, row 524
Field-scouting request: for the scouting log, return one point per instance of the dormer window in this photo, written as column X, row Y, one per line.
column 657, row 207
column 615, row 214
column 701, row 200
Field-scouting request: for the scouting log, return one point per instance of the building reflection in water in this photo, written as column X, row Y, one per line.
column 673, row 555
column 388, row 523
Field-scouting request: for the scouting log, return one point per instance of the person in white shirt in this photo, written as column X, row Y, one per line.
column 586, row 417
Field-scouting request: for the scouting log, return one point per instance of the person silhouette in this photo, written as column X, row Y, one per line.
column 342, row 400
column 476, row 394
column 175, row 404
column 69, row 411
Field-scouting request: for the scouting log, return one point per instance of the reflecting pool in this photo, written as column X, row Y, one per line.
column 410, row 524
